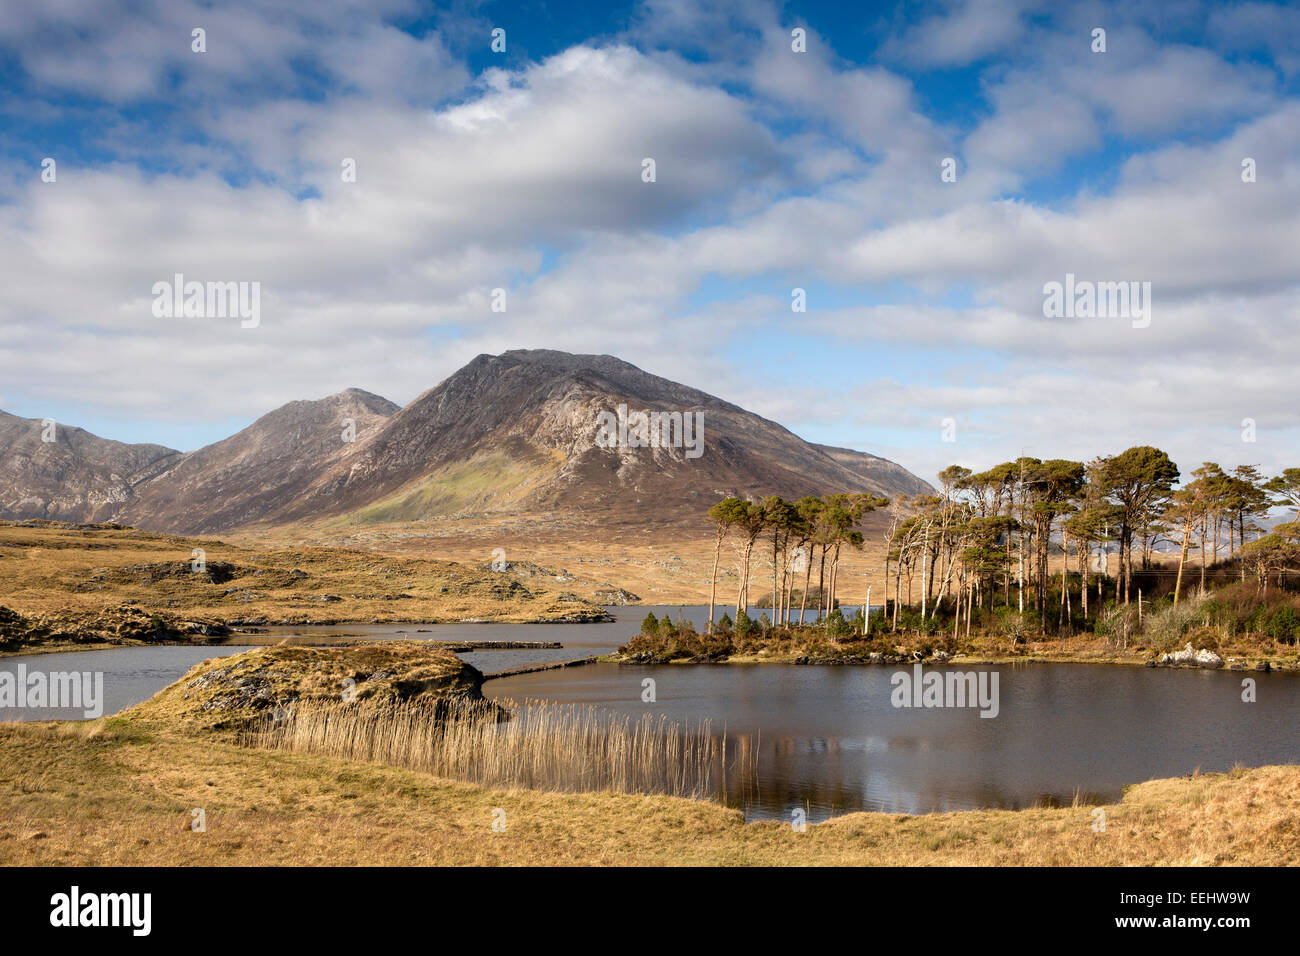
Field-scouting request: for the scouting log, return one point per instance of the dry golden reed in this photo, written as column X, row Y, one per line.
column 544, row 746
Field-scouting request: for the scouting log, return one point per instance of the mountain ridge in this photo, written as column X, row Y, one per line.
column 51, row 470
column 510, row 432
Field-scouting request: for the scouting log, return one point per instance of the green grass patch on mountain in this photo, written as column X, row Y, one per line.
column 486, row 482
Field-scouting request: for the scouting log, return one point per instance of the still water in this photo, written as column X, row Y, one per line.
column 828, row 739
column 131, row 674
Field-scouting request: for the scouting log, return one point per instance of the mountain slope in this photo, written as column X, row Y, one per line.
column 76, row 477
column 891, row 477
column 518, row 432
column 258, row 471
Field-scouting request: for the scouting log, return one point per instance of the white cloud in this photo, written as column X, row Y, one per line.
column 801, row 169
column 969, row 30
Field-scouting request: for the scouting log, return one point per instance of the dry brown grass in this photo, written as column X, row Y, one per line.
column 662, row 565
column 120, row 791
column 66, row 571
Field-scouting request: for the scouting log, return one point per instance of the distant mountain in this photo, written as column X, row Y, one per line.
column 516, row 432
column 258, row 472
column 74, row 477
column 890, row 477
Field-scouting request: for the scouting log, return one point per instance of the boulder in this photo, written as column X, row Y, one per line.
column 1190, row 657
column 618, row 596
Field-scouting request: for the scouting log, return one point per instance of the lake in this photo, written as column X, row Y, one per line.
column 829, row 739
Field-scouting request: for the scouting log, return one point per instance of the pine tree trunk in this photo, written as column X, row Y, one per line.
column 925, row 557
column 1182, row 560
column 970, row 604
column 713, row 585
column 1203, row 536
column 1083, row 571
column 835, row 576
column 821, row 584
column 776, row 614
column 1065, row 572
column 898, row 585
column 803, row 598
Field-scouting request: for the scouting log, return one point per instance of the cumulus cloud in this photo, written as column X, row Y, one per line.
column 774, row 169
column 966, row 31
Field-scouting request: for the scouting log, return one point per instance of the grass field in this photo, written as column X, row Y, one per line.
column 73, row 578
column 122, row 791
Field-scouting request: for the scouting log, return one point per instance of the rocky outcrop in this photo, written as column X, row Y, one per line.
column 603, row 594
column 120, row 624
column 212, row 572
column 246, row 689
column 872, row 657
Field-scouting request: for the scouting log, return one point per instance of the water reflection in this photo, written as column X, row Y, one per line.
column 829, row 740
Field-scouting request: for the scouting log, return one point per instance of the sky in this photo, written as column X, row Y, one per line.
column 795, row 146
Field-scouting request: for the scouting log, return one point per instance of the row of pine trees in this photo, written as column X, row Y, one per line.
column 987, row 538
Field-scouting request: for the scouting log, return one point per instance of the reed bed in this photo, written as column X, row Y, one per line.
column 544, row 746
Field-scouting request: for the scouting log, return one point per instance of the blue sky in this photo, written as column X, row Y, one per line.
column 775, row 169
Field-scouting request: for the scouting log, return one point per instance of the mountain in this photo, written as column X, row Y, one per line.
column 517, row 432
column 257, row 472
column 512, row 433
column 75, row 477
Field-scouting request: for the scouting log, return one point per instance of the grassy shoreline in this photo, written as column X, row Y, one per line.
column 814, row 647
column 1252, row 665
column 262, row 640
column 121, row 791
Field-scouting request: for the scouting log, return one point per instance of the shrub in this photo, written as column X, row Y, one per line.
column 743, row 625
column 1206, row 637
column 650, row 625
column 910, row 619
column 1283, row 625
column 1117, row 623
column 1244, row 609
column 836, row 625
column 679, row 642
column 1016, row 626
column 1167, row 627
